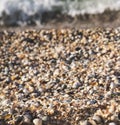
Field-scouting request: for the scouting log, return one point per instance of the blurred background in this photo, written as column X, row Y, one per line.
column 59, row 13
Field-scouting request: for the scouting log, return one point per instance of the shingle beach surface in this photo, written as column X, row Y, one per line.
column 60, row 77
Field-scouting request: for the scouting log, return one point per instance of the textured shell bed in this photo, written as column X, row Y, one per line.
column 60, row 77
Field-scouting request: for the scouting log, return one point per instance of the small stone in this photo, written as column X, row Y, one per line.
column 2, row 122
column 92, row 102
column 6, row 71
column 85, row 123
column 76, row 85
column 111, row 108
column 19, row 119
column 92, row 122
column 119, row 115
column 44, row 118
column 13, row 77
column 50, row 111
column 27, row 118
column 64, row 86
column 37, row 121
column 8, row 80
column 98, row 119
column 112, row 85
column 112, row 123
column 29, row 40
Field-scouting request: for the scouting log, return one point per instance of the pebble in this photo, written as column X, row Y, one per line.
column 98, row 119
column 76, row 85
column 44, row 118
column 112, row 123
column 85, row 123
column 37, row 121
column 27, row 118
column 112, row 85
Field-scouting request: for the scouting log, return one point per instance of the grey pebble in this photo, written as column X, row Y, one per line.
column 98, row 119
column 76, row 85
column 27, row 118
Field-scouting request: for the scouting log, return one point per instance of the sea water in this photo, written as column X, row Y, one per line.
column 22, row 11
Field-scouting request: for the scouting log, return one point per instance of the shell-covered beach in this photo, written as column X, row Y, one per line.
column 60, row 77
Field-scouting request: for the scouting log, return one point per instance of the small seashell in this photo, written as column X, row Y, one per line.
column 13, row 77
column 37, row 121
column 50, row 111
column 21, row 55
